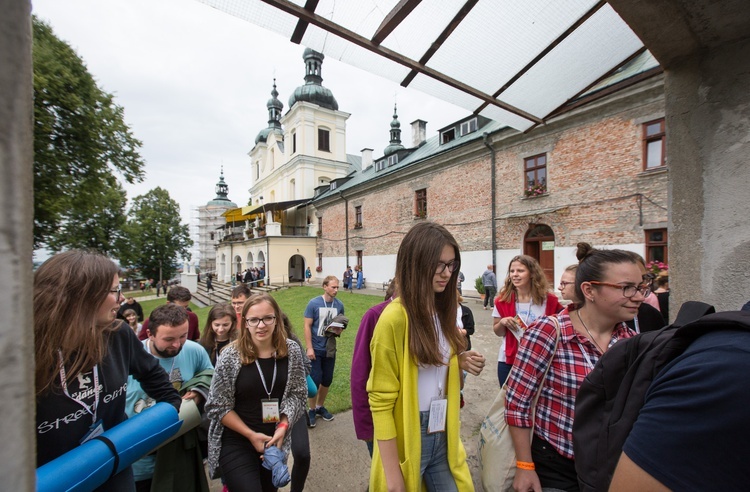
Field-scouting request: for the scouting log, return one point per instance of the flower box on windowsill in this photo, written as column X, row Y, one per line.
column 527, row 197
column 319, row 269
column 535, row 191
column 420, row 215
column 358, row 225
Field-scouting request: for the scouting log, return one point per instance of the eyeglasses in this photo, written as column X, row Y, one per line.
column 116, row 292
column 564, row 284
column 255, row 322
column 451, row 266
column 627, row 290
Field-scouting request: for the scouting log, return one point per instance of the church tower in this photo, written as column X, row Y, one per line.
column 209, row 220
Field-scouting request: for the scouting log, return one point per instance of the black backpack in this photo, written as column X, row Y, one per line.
column 613, row 393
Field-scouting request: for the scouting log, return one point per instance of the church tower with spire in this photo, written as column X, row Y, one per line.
column 209, row 220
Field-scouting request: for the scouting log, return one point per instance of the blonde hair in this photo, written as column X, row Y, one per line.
column 539, row 284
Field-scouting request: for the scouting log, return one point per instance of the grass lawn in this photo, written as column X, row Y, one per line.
column 293, row 302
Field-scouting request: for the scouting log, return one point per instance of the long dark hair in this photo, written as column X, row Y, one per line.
column 69, row 289
column 417, row 259
column 208, row 337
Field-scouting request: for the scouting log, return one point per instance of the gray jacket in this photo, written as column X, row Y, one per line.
column 221, row 397
column 489, row 279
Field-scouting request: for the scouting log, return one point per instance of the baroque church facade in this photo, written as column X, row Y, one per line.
column 595, row 172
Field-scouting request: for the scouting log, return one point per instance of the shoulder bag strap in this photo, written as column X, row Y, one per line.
column 549, row 364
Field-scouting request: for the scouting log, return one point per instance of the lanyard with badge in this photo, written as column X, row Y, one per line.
column 269, row 405
column 97, row 426
column 439, row 404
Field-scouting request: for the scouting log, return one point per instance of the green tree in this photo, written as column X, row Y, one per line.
column 96, row 224
column 81, row 143
column 153, row 236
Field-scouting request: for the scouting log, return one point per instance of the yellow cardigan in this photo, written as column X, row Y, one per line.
column 394, row 403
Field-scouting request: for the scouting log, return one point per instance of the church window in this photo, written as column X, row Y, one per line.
column 294, row 142
column 654, row 138
column 468, row 126
column 420, row 203
column 324, row 140
column 535, row 175
column 447, row 136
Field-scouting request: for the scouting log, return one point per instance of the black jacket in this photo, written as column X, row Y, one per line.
column 135, row 307
column 61, row 422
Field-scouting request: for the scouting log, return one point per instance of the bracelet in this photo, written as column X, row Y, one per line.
column 282, row 425
column 525, row 465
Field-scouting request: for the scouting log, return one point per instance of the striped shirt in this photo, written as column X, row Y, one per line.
column 574, row 359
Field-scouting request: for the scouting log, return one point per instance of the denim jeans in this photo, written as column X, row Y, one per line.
column 434, row 469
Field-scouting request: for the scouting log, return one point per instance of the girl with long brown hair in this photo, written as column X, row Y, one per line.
column 220, row 330
column 257, row 393
column 84, row 356
column 525, row 296
column 415, row 379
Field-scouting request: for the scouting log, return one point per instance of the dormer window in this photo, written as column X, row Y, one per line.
column 447, row 136
column 380, row 165
column 392, row 160
column 333, row 185
column 468, row 126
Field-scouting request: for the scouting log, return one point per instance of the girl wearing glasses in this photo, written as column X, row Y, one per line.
column 610, row 289
column 415, row 380
column 84, row 356
column 257, row 393
column 524, row 298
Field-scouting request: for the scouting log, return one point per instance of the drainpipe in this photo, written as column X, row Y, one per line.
column 486, row 139
column 346, row 224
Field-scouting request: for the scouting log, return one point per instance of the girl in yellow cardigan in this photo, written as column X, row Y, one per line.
column 415, row 380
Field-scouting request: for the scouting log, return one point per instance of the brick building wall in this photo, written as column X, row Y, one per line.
column 597, row 191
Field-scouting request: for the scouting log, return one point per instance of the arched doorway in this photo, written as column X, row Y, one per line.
column 297, row 268
column 539, row 243
column 237, row 265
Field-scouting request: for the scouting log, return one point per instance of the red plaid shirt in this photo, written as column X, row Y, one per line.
column 556, row 406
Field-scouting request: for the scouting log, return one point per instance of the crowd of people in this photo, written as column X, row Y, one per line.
column 260, row 388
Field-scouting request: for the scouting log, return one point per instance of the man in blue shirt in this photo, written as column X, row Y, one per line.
column 181, row 358
column 319, row 313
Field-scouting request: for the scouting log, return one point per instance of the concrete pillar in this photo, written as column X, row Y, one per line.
column 708, row 147
column 17, row 425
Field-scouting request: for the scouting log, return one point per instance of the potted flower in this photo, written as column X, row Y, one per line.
column 535, row 190
column 421, row 214
column 249, row 232
column 479, row 286
column 656, row 267
column 358, row 225
column 318, row 269
column 320, row 233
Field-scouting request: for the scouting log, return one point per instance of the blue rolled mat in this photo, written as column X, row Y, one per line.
column 91, row 464
column 312, row 389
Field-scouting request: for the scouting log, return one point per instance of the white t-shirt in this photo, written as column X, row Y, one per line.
column 528, row 313
column 431, row 380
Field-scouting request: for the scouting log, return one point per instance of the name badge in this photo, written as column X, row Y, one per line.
column 438, row 409
column 270, row 410
column 96, row 429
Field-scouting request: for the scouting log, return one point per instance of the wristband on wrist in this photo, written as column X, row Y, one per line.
column 525, row 465
column 282, row 425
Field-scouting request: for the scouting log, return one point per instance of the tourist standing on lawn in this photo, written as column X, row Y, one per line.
column 319, row 313
column 415, row 381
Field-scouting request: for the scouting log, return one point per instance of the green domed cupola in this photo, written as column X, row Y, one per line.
column 395, row 144
column 274, row 117
column 313, row 92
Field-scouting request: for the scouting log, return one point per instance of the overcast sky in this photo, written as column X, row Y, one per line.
column 194, row 83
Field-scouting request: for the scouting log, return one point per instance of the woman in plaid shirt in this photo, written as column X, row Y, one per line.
column 611, row 288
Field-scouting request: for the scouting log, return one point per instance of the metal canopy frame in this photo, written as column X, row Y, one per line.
column 518, row 63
